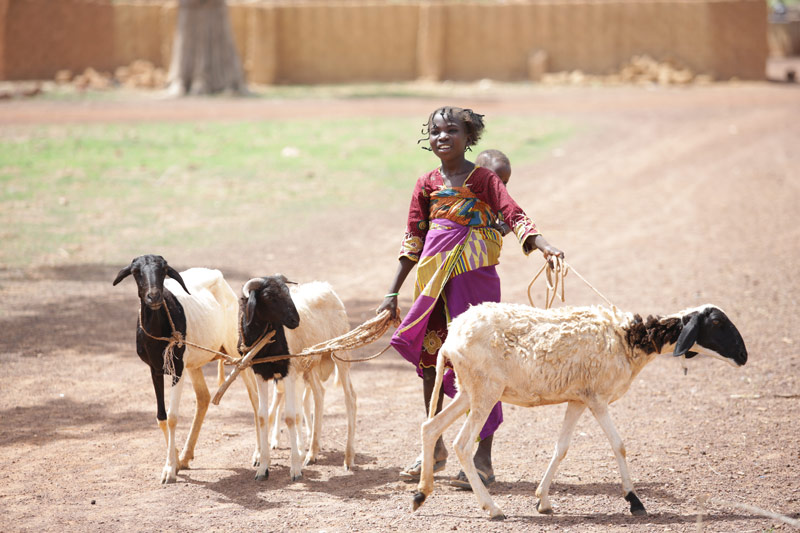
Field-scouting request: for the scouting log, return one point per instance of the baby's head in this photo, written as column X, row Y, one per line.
column 497, row 162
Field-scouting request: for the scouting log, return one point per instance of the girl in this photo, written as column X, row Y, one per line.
column 451, row 239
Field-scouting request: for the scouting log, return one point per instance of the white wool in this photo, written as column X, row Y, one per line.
column 322, row 317
column 211, row 309
column 528, row 356
column 543, row 356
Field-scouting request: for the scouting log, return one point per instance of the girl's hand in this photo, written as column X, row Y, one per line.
column 390, row 303
column 538, row 241
column 551, row 251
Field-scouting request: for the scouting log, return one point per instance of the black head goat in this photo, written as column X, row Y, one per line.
column 181, row 330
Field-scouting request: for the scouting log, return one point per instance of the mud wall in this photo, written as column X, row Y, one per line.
column 143, row 31
column 43, row 36
column 784, row 38
column 327, row 42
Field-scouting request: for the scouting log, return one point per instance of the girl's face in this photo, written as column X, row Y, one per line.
column 448, row 137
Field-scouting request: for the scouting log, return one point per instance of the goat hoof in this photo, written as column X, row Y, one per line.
column 169, row 475
column 540, row 510
column 262, row 477
column 499, row 516
column 419, row 499
column 637, row 508
column 298, row 477
column 183, row 461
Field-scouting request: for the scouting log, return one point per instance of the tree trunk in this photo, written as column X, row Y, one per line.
column 204, row 57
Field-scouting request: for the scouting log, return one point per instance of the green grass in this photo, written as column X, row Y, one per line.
column 111, row 191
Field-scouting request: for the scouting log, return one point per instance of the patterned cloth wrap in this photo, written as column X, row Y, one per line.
column 452, row 238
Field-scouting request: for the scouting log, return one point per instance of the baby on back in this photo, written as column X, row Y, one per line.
column 497, row 162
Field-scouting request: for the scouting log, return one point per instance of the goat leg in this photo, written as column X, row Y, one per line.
column 571, row 416
column 431, row 430
column 600, row 412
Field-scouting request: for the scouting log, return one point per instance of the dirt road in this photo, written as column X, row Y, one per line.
column 664, row 199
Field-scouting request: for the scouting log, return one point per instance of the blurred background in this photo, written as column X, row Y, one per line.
column 99, row 43
column 654, row 141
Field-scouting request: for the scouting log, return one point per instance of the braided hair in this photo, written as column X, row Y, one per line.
column 472, row 121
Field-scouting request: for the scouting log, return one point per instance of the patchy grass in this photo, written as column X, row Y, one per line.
column 113, row 190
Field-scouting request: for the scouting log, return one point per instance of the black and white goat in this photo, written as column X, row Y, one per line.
column 585, row 356
column 313, row 313
column 200, row 305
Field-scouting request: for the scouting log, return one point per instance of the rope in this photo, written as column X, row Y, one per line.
column 241, row 364
column 706, row 499
column 371, row 357
column 365, row 334
column 243, row 348
column 177, row 340
column 556, row 269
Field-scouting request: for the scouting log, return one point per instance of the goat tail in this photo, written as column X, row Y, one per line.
column 337, row 379
column 220, row 372
column 437, row 385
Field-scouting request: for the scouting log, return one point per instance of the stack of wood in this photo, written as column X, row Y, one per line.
column 88, row 79
column 645, row 69
column 138, row 75
column 640, row 70
column 141, row 75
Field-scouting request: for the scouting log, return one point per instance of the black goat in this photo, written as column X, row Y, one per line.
column 169, row 314
column 269, row 307
column 314, row 313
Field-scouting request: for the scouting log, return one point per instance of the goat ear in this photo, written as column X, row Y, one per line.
column 250, row 308
column 688, row 336
column 171, row 272
column 124, row 273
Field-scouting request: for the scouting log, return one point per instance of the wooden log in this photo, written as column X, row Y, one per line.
column 243, row 363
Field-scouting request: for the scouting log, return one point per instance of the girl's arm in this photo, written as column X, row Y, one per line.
column 525, row 229
column 534, row 242
column 411, row 247
column 390, row 300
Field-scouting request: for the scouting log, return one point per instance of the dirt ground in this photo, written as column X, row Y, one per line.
column 663, row 199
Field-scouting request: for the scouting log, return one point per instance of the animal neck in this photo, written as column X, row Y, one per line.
column 279, row 345
column 251, row 336
column 653, row 336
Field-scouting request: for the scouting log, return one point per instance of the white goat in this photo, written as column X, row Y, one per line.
column 585, row 356
column 313, row 313
column 200, row 305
